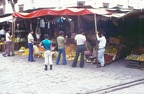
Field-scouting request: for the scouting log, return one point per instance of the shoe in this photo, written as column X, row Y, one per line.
column 8, row 55
column 32, row 61
column 45, row 67
column 65, row 64
column 102, row 65
column 3, row 55
column 73, row 66
column 50, row 67
column 81, row 66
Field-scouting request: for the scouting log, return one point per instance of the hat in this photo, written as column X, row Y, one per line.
column 103, row 33
column 7, row 29
column 31, row 31
column 61, row 32
column 80, row 30
column 46, row 36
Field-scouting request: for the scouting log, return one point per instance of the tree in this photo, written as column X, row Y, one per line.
column 13, row 2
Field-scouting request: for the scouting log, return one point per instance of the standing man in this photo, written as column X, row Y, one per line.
column 8, row 43
column 30, row 45
column 101, row 48
column 38, row 33
column 2, row 33
column 47, row 45
column 81, row 44
column 61, row 48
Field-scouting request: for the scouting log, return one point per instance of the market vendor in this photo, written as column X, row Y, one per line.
column 2, row 33
column 101, row 47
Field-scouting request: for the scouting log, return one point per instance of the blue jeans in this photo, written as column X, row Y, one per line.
column 30, row 56
column 61, row 51
column 101, row 56
column 80, row 49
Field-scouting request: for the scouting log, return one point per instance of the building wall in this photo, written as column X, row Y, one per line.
column 30, row 4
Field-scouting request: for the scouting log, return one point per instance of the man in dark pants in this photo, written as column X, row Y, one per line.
column 30, row 45
column 81, row 44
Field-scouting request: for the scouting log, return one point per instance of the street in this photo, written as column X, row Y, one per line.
column 18, row 76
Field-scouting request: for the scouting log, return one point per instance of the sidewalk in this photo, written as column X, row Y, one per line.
column 18, row 76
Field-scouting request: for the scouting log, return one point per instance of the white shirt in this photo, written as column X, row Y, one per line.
column 102, row 41
column 42, row 23
column 37, row 36
column 30, row 37
column 80, row 39
column 7, row 37
column 2, row 32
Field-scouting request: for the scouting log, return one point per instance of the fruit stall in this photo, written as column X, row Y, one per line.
column 18, row 44
column 114, row 48
column 136, row 58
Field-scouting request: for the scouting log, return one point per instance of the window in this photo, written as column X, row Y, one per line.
column 80, row 3
column 130, row 7
column 1, row 11
column 106, row 5
column 120, row 6
column 2, row 1
column 21, row 8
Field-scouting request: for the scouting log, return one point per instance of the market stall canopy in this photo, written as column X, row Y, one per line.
column 9, row 17
column 135, row 13
column 5, row 19
column 116, row 15
column 117, row 12
column 66, row 11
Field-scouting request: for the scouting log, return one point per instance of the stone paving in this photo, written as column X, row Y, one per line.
column 18, row 76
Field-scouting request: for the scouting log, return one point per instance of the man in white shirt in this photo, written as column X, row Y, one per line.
column 38, row 34
column 2, row 32
column 8, row 43
column 101, row 48
column 81, row 44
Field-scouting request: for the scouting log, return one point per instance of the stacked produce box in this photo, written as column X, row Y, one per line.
column 136, row 54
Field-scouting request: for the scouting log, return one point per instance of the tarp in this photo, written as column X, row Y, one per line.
column 9, row 17
column 66, row 11
column 4, row 19
column 135, row 13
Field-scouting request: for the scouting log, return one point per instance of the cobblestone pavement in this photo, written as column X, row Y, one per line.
column 18, row 76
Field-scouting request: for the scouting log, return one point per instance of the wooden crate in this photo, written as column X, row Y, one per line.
column 133, row 64
column 3, row 47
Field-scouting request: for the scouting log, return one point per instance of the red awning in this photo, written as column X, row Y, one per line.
column 66, row 11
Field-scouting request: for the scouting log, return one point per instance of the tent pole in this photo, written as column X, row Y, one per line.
column 96, row 38
column 13, row 38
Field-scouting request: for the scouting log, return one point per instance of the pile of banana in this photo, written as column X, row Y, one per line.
column 70, row 51
column 111, row 49
column 138, row 51
column 54, row 56
column 136, row 57
column 26, row 52
column 70, row 48
column 114, row 40
column 71, row 56
column 2, row 43
column 22, row 48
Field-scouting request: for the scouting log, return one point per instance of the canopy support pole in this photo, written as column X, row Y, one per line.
column 13, row 38
column 96, row 39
